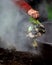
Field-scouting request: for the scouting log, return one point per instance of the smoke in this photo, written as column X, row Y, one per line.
column 13, row 27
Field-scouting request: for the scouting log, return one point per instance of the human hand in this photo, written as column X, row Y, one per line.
column 33, row 13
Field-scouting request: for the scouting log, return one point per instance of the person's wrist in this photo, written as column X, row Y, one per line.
column 30, row 12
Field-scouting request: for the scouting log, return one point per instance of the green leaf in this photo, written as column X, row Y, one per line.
column 34, row 21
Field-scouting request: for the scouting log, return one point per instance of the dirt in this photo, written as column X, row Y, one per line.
column 13, row 57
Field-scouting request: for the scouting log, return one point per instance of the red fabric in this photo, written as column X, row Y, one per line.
column 23, row 4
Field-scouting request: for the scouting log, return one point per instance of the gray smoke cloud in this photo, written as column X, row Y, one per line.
column 13, row 27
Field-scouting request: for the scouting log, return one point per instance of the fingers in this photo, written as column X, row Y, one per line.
column 33, row 13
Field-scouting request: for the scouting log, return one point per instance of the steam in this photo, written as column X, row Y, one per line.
column 13, row 27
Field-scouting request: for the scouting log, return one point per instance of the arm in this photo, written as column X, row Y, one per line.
column 25, row 6
column 22, row 4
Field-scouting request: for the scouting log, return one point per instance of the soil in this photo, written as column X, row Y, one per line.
column 13, row 57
